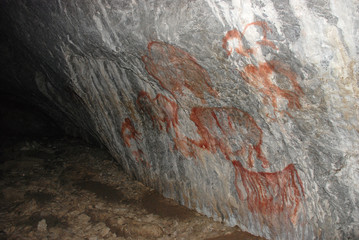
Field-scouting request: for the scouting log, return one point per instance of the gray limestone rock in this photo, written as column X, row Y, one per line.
column 246, row 111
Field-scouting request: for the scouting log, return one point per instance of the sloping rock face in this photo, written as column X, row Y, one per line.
column 246, row 111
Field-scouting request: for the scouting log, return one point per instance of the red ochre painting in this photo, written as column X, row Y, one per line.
column 235, row 38
column 236, row 135
column 227, row 130
column 176, row 69
column 273, row 195
column 131, row 137
column 161, row 110
column 265, row 29
column 263, row 76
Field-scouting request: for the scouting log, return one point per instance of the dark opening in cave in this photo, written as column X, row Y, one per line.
column 24, row 120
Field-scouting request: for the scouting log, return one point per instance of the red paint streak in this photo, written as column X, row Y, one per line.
column 131, row 137
column 161, row 109
column 229, row 130
column 129, row 132
column 235, row 36
column 175, row 69
column 260, row 78
column 265, row 29
column 271, row 194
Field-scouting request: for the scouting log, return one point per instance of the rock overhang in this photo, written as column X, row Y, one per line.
column 245, row 111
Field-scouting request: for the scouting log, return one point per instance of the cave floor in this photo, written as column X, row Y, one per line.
column 66, row 189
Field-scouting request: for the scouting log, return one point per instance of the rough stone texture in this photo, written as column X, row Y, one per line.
column 246, row 111
column 65, row 189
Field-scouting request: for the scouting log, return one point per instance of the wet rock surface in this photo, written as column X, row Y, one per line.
column 65, row 189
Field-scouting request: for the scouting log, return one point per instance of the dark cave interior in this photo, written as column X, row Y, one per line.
column 56, row 181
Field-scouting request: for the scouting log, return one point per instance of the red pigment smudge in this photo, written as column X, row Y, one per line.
column 260, row 78
column 175, row 69
column 265, row 29
column 223, row 128
column 129, row 132
column 161, row 109
column 271, row 194
column 130, row 136
column 235, row 36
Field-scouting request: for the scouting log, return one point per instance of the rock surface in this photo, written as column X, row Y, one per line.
column 246, row 111
column 72, row 190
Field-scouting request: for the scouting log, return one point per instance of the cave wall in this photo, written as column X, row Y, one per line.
column 246, row 111
column 24, row 109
